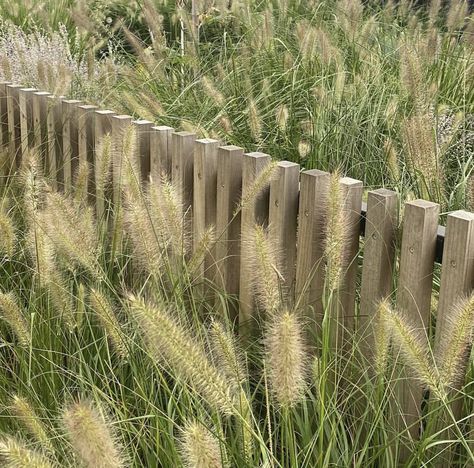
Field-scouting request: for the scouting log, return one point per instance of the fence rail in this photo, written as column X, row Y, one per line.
column 211, row 178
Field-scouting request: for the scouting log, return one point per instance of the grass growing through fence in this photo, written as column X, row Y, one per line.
column 111, row 356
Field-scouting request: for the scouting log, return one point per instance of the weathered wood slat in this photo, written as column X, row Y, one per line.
column 254, row 211
column 378, row 263
column 205, row 201
column 310, row 272
column 229, row 187
column 414, row 300
column 160, row 152
column 282, row 219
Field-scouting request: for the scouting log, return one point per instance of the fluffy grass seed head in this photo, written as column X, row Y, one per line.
column 12, row 314
column 335, row 248
column 255, row 190
column 26, row 415
column 286, row 359
column 104, row 312
column 412, row 346
column 91, row 436
column 199, row 447
column 71, row 229
column 15, row 454
column 452, row 354
column 227, row 355
column 264, row 269
column 7, row 234
column 103, row 165
column 185, row 357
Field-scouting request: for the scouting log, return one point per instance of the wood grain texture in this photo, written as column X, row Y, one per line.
column 282, row 219
column 205, row 201
column 103, row 127
column 86, row 142
column 229, row 187
column 143, row 130
column 182, row 171
column 254, row 211
column 25, row 99
column 14, row 135
column 417, row 257
column 70, row 141
column 120, row 128
column 55, row 140
column 40, row 127
column 310, row 270
column 160, row 151
column 379, row 257
column 4, row 139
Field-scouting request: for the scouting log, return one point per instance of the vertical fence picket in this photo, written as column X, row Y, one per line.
column 143, row 129
column 204, row 201
column 282, row 219
column 40, row 128
column 160, row 151
column 25, row 100
column 229, row 186
column 457, row 280
column 310, row 250
column 254, row 211
column 13, row 111
column 379, row 257
column 120, row 127
column 417, row 257
column 351, row 191
column 55, row 140
column 70, row 141
column 4, row 137
column 85, row 143
column 182, row 172
column 102, row 127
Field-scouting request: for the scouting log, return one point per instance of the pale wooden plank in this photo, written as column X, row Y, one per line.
column 205, row 201
column 40, row 125
column 160, row 151
column 379, row 257
column 86, row 142
column 143, row 129
column 14, row 134
column 182, row 172
column 254, row 212
column 282, row 218
column 120, row 125
column 26, row 119
column 457, row 280
column 351, row 191
column 102, row 127
column 4, row 137
column 55, row 140
column 229, row 187
column 70, row 152
column 417, row 257
column 310, row 269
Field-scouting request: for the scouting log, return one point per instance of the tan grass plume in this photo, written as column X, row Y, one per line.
column 11, row 312
column 15, row 454
column 25, row 414
column 105, row 314
column 452, row 354
column 200, row 448
column 91, row 435
column 412, row 346
column 286, row 359
column 168, row 340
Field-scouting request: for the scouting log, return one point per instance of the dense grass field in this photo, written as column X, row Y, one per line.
column 113, row 353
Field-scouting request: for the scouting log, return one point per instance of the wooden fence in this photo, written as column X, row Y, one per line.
column 212, row 178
